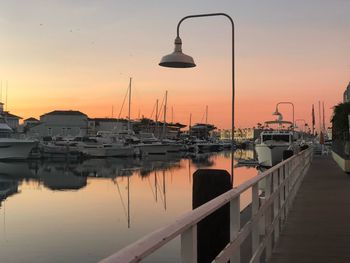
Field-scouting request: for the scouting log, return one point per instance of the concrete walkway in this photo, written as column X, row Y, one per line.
column 318, row 225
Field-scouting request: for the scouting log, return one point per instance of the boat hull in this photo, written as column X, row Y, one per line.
column 108, row 151
column 269, row 156
column 147, row 149
column 12, row 149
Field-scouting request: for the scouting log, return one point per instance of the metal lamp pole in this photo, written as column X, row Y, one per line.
column 177, row 59
column 290, row 103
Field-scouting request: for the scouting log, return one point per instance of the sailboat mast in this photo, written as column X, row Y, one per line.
column 172, row 114
column 129, row 105
column 206, row 115
column 189, row 130
column 319, row 116
column 156, row 131
column 324, row 123
column 165, row 104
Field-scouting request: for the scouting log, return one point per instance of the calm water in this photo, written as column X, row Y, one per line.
column 83, row 212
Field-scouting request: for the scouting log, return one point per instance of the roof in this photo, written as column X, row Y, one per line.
column 6, row 114
column 107, row 120
column 278, row 122
column 31, row 119
column 64, row 112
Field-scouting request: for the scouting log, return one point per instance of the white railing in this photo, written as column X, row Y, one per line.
column 269, row 214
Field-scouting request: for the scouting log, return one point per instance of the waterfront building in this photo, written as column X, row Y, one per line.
column 65, row 123
column 201, row 130
column 30, row 122
column 346, row 95
column 108, row 124
column 241, row 134
column 172, row 130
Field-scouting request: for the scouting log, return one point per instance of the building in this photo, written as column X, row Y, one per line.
column 346, row 95
column 172, row 130
column 66, row 123
column 244, row 134
column 108, row 124
column 30, row 122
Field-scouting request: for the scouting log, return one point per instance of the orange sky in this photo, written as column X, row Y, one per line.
column 63, row 55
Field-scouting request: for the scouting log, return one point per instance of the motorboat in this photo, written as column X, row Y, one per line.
column 102, row 147
column 274, row 145
column 13, row 148
column 151, row 145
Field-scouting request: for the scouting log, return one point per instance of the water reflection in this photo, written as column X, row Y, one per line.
column 114, row 200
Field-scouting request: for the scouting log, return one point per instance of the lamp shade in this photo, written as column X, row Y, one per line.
column 276, row 112
column 177, row 59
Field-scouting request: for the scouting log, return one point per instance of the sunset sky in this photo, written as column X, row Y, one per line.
column 79, row 55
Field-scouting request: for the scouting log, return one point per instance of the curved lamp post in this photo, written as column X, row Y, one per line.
column 278, row 113
column 177, row 59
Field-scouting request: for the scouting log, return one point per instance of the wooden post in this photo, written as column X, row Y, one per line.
column 213, row 232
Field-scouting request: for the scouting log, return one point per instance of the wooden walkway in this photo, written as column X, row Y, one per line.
column 318, row 225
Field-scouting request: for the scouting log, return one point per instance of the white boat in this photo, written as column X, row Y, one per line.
column 12, row 148
column 98, row 147
column 150, row 144
column 272, row 146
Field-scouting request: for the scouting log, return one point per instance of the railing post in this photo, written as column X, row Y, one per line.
column 282, row 195
column 268, row 218
column 276, row 204
column 189, row 245
column 235, row 226
column 255, row 208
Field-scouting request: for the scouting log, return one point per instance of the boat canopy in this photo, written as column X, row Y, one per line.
column 278, row 122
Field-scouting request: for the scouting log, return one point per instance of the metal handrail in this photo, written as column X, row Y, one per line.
column 282, row 182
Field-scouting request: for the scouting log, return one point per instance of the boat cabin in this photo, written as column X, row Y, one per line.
column 5, row 130
column 277, row 136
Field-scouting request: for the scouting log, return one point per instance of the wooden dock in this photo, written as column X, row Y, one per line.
column 318, row 224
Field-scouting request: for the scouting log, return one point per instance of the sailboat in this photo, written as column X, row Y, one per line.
column 152, row 145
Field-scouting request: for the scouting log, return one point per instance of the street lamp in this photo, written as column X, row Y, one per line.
column 177, row 59
column 278, row 113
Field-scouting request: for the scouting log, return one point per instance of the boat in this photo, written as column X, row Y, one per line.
column 149, row 144
column 274, row 145
column 13, row 148
column 102, row 147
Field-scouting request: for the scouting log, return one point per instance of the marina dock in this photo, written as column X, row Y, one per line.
column 303, row 216
column 318, row 226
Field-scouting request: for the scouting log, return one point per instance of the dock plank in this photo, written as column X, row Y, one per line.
column 318, row 225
